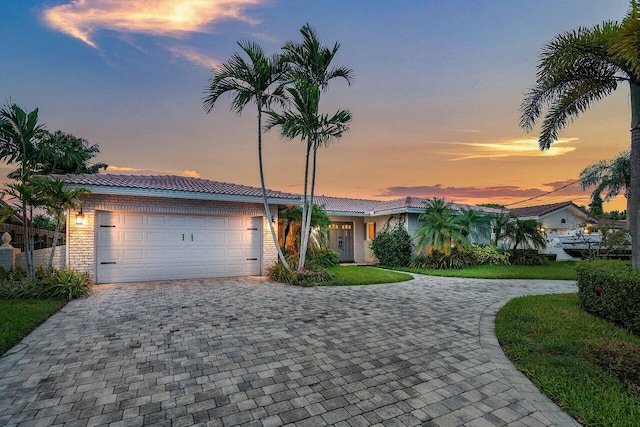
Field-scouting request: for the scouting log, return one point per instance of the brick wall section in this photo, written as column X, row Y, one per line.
column 81, row 245
column 41, row 258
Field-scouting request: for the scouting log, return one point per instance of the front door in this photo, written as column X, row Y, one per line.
column 341, row 240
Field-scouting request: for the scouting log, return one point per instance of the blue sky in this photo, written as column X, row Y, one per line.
column 435, row 97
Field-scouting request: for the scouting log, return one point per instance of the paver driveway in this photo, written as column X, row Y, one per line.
column 247, row 351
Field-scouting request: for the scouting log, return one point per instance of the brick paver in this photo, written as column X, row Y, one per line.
column 246, row 351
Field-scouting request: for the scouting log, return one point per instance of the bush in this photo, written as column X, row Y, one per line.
column 68, row 284
column 393, row 247
column 322, row 258
column 18, row 286
column 488, row 255
column 277, row 272
column 438, row 261
column 527, row 257
column 611, row 290
column 62, row 284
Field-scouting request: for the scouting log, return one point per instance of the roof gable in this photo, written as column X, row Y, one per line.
column 542, row 210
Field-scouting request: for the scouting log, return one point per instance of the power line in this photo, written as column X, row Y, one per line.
column 543, row 194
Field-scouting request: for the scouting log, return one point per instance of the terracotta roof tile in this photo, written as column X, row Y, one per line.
column 541, row 210
column 172, row 183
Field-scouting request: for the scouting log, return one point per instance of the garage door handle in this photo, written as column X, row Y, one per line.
column 108, row 226
column 253, row 228
column 252, row 259
column 110, row 262
column 183, row 237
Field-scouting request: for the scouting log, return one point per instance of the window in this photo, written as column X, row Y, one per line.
column 371, row 230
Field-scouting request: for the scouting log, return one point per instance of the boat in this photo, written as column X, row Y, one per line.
column 588, row 245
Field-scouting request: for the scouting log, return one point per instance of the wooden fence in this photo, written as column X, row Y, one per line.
column 41, row 238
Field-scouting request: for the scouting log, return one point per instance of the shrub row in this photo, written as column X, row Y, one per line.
column 611, row 290
column 315, row 272
column 60, row 284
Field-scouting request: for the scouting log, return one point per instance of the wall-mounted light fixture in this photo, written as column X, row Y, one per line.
column 80, row 218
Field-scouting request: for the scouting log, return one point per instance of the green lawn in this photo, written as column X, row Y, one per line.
column 19, row 317
column 588, row 366
column 353, row 275
column 565, row 270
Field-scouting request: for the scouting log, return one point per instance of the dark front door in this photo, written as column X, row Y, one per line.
column 341, row 240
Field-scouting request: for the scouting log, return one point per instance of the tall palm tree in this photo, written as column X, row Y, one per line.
column 477, row 224
column 302, row 120
column 311, row 74
column 443, row 228
column 20, row 132
column 257, row 80
column 578, row 68
column 610, row 176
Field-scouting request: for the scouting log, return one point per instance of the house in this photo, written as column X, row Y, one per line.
column 138, row 228
column 555, row 219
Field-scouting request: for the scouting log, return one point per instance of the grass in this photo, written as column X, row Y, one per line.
column 588, row 366
column 19, row 317
column 353, row 275
column 564, row 270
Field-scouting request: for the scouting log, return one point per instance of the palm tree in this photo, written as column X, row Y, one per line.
column 524, row 232
column 303, row 121
column 578, row 68
column 500, row 223
column 258, row 80
column 610, row 176
column 61, row 153
column 443, row 228
column 310, row 74
column 56, row 200
column 19, row 135
column 477, row 224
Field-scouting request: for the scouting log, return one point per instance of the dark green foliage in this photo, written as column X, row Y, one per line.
column 438, row 261
column 43, row 222
column 527, row 257
column 60, row 284
column 488, row 255
column 68, row 284
column 611, row 289
column 393, row 247
column 322, row 258
column 306, row 278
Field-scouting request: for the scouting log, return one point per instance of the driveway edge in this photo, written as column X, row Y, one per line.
column 489, row 342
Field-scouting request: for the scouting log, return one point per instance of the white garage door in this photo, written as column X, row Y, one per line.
column 133, row 247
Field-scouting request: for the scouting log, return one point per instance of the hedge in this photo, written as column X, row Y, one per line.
column 611, row 290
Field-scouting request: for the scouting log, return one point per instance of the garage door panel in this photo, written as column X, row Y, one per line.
column 138, row 247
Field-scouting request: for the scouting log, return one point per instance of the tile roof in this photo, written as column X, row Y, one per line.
column 204, row 186
column 541, row 210
column 172, row 183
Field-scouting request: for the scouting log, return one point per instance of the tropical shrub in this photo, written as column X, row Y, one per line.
column 17, row 285
column 436, row 260
column 62, row 284
column 610, row 289
column 68, row 284
column 527, row 257
column 488, row 255
column 393, row 247
column 322, row 258
column 277, row 272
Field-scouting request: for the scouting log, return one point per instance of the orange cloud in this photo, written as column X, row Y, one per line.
column 135, row 171
column 513, row 148
column 83, row 18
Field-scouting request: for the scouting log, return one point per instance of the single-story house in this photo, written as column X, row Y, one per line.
column 555, row 219
column 139, row 228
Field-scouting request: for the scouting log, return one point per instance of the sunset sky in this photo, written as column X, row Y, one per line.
column 435, row 99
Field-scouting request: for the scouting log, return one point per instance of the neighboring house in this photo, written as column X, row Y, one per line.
column 139, row 228
column 555, row 219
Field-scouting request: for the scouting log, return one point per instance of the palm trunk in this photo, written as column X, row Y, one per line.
column 307, row 230
column 304, row 209
column 633, row 203
column 27, row 241
column 267, row 210
column 54, row 243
